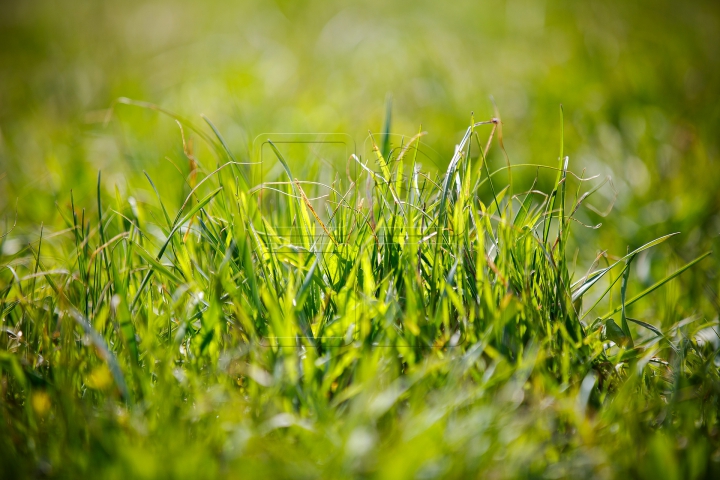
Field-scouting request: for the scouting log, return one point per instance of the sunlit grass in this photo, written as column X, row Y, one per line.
column 424, row 324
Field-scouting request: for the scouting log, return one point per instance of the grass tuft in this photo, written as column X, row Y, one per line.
column 424, row 325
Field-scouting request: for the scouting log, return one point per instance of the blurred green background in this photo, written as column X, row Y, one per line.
column 638, row 80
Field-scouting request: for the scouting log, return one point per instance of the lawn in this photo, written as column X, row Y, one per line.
column 334, row 240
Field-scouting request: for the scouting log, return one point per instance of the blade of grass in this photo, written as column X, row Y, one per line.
column 656, row 285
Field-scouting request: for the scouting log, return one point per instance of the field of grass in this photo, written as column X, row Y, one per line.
column 529, row 290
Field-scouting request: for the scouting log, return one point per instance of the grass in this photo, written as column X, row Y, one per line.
column 402, row 324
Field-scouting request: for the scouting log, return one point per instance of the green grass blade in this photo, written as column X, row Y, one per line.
column 657, row 285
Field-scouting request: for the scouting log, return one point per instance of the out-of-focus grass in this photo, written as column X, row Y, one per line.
column 637, row 81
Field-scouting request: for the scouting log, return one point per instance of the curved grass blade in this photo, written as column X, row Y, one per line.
column 592, row 279
column 656, row 285
column 246, row 182
column 623, row 294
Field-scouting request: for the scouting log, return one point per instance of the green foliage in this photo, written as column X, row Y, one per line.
column 424, row 327
column 416, row 315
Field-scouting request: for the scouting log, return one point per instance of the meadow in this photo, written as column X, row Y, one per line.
column 334, row 240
